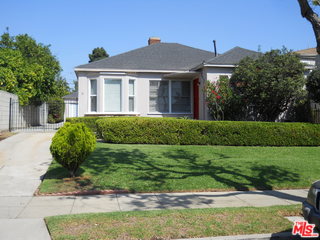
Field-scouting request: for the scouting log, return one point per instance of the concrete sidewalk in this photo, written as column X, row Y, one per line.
column 19, row 214
column 39, row 207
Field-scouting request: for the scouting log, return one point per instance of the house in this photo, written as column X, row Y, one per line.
column 159, row 80
column 308, row 57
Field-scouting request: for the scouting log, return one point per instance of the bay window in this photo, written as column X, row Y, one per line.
column 170, row 96
column 131, row 95
column 93, row 95
column 112, row 95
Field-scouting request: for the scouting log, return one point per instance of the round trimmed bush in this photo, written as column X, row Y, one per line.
column 71, row 145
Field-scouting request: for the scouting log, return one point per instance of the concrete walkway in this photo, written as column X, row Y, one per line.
column 25, row 157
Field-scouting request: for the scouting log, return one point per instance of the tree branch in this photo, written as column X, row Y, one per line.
column 313, row 18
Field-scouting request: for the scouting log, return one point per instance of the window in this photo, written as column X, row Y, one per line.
column 131, row 95
column 93, row 95
column 180, row 97
column 170, row 96
column 112, row 95
column 159, row 96
column 224, row 76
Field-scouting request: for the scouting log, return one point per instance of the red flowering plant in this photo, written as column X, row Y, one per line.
column 218, row 95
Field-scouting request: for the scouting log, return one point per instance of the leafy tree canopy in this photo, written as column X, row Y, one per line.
column 269, row 84
column 313, row 85
column 61, row 87
column 29, row 69
column 97, row 54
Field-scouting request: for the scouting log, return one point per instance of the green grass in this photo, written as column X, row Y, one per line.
column 172, row 224
column 163, row 168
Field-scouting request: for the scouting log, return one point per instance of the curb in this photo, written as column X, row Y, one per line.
column 268, row 236
column 110, row 191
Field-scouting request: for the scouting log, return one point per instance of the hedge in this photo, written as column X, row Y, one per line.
column 193, row 132
column 90, row 122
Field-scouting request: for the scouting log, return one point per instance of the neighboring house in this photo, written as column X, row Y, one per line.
column 71, row 105
column 159, row 80
column 308, row 56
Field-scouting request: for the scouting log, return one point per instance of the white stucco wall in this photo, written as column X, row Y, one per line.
column 211, row 74
column 5, row 109
column 141, row 93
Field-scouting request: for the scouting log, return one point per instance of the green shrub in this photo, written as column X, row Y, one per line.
column 71, row 145
column 55, row 110
column 90, row 122
column 192, row 132
column 313, row 85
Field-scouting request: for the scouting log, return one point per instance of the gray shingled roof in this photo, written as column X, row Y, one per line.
column 159, row 56
column 72, row 95
column 233, row 56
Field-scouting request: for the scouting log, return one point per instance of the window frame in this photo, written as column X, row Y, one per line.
column 132, row 96
column 93, row 95
column 170, row 96
column 104, row 95
column 190, row 94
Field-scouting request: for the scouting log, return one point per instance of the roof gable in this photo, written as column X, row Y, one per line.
column 308, row 51
column 71, row 95
column 233, row 56
column 160, row 56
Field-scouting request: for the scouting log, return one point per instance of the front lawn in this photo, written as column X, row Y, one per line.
column 172, row 224
column 156, row 168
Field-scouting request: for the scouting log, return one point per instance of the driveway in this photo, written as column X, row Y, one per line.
column 24, row 159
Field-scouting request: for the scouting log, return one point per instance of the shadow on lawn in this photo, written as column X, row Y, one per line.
column 114, row 167
column 180, row 164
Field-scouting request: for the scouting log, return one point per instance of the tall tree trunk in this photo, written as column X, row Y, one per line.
column 313, row 18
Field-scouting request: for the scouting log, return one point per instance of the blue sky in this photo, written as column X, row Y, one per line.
column 74, row 28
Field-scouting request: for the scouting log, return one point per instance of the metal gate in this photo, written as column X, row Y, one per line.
column 39, row 116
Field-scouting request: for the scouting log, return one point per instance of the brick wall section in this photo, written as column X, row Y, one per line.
column 4, row 109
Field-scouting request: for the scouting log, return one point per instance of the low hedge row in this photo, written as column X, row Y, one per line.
column 192, row 132
column 90, row 122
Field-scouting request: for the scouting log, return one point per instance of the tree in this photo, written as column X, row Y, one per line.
column 19, row 77
column 75, row 86
column 313, row 85
column 308, row 13
column 268, row 85
column 98, row 53
column 61, row 87
column 28, row 68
